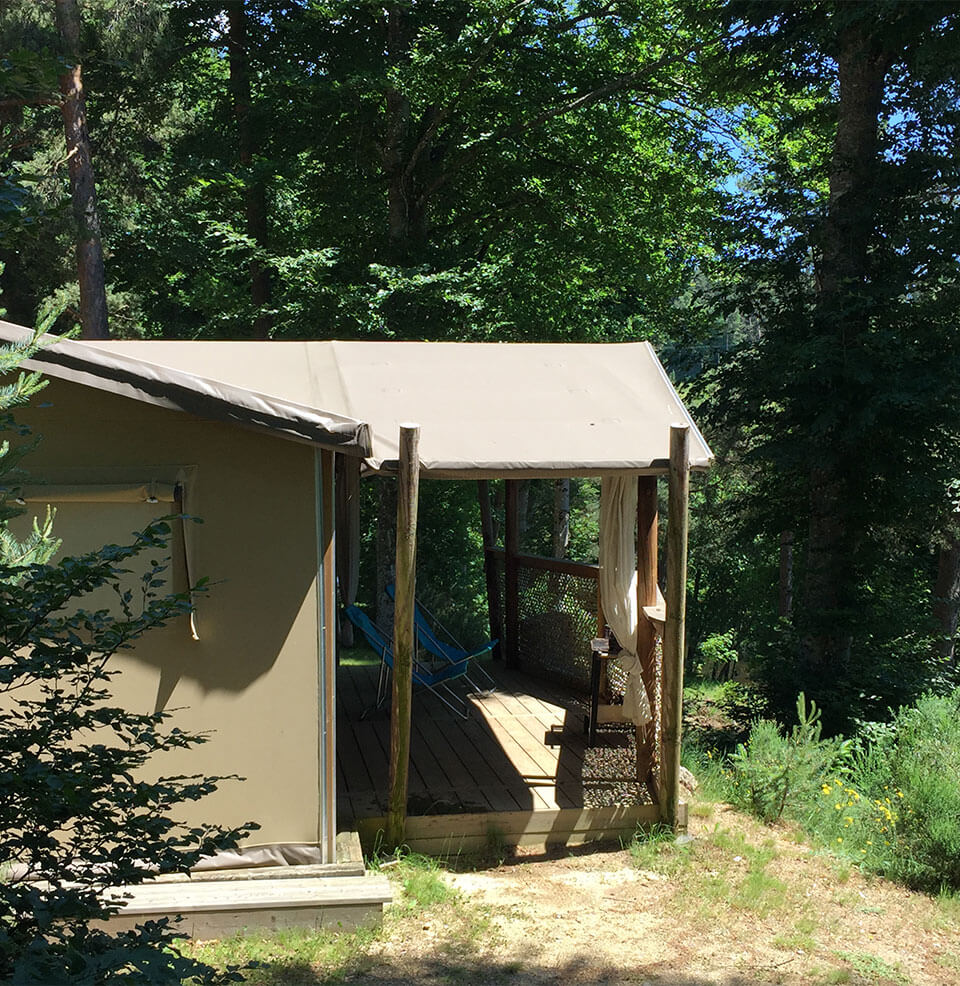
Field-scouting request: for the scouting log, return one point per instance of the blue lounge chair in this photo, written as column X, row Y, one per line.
column 435, row 678
column 449, row 650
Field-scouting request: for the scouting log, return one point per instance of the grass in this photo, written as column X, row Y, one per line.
column 722, row 871
column 292, row 956
column 358, row 656
column 948, row 906
column 800, row 937
column 423, row 899
column 734, row 885
column 887, row 802
column 423, row 885
column 836, row 976
column 873, row 969
column 655, row 849
column 949, row 960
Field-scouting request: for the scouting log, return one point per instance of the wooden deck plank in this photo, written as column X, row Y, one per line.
column 357, row 690
column 538, row 704
column 450, row 746
column 373, row 757
column 536, row 778
column 350, row 757
column 503, row 782
column 218, row 908
column 426, row 759
column 567, row 755
column 529, row 733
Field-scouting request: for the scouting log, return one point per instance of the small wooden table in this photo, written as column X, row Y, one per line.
column 600, row 650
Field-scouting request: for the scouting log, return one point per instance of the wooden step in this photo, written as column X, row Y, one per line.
column 218, row 908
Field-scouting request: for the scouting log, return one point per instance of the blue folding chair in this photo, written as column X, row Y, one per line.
column 450, row 650
column 433, row 678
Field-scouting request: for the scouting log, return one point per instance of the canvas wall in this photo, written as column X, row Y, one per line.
column 251, row 679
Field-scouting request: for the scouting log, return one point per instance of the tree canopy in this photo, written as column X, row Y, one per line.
column 766, row 191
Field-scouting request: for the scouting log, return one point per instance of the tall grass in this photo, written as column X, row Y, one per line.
column 888, row 800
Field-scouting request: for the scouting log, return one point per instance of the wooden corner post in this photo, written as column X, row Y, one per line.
column 646, row 632
column 494, row 607
column 511, row 594
column 671, row 714
column 408, row 491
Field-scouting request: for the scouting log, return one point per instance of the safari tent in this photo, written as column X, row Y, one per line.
column 249, row 436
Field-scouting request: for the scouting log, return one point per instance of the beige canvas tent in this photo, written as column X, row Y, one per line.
column 245, row 435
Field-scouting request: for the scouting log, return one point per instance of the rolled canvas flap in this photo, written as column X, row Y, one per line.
column 151, row 492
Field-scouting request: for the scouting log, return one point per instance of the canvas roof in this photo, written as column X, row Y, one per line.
column 134, row 374
column 484, row 409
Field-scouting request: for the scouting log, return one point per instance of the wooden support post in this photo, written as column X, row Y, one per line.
column 646, row 632
column 678, row 522
column 328, row 650
column 511, row 580
column 408, row 488
column 494, row 607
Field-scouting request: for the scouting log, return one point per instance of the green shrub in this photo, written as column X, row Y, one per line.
column 918, row 771
column 896, row 811
column 718, row 656
column 78, row 816
column 773, row 772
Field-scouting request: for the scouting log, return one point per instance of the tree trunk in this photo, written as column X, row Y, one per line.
column 408, row 153
column 842, row 313
column 386, row 547
column 561, row 517
column 785, row 608
column 946, row 602
column 523, row 507
column 83, row 189
column 255, row 193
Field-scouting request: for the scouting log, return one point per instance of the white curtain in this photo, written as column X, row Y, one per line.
column 618, row 585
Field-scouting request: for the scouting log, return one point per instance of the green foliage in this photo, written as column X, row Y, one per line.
column 773, row 772
column 909, row 773
column 79, row 812
column 554, row 186
column 40, row 545
column 423, row 885
column 823, row 384
column 718, row 656
column 291, row 956
column 888, row 800
column 655, row 848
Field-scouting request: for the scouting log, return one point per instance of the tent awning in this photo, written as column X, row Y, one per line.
column 132, row 373
column 485, row 409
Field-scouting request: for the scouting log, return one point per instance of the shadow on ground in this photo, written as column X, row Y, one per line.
column 441, row 970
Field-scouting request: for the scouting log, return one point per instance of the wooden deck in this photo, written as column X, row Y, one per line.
column 522, row 752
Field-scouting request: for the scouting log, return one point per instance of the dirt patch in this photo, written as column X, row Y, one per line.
column 739, row 904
